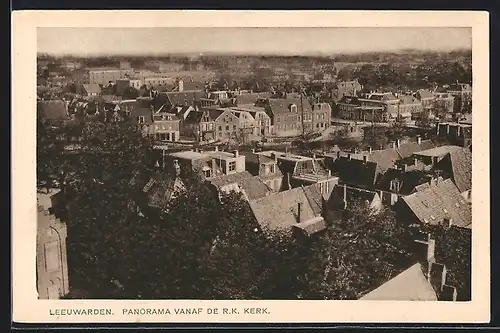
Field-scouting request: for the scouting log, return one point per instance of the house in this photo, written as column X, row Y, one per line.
column 53, row 111
column 246, row 124
column 445, row 102
column 437, row 202
column 457, row 166
column 456, row 133
column 410, row 285
column 166, row 126
column 322, row 116
column 426, row 98
column 343, row 195
column 198, row 125
column 51, row 253
column 463, row 97
column 227, row 125
column 431, row 157
column 186, row 98
column 252, row 187
column 257, row 117
column 302, row 171
column 290, row 116
column 154, row 81
column 92, row 89
column 161, row 188
column 408, row 106
column 243, row 99
column 288, row 212
column 355, row 108
column 104, row 76
column 141, row 114
column 190, row 86
column 266, row 169
column 346, row 88
column 402, row 181
column 206, row 163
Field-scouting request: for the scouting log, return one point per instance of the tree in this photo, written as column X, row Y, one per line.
column 357, row 254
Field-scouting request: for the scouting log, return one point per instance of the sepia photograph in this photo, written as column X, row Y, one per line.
column 253, row 163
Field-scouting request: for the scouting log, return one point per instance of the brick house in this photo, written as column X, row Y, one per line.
column 227, row 125
column 166, row 126
column 290, row 116
column 322, row 116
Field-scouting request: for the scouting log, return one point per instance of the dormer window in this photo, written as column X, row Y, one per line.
column 272, row 168
column 293, row 108
column 395, row 185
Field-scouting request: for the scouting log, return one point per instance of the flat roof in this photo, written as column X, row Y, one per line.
column 220, row 154
column 285, row 156
column 438, row 151
column 188, row 154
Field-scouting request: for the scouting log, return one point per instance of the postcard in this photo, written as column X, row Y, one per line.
column 250, row 167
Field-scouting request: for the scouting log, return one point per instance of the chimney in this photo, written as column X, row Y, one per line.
column 253, row 150
column 419, row 140
column 181, row 86
column 448, row 222
column 437, row 276
column 349, row 156
column 370, row 150
column 216, row 148
column 398, row 143
column 329, row 173
column 236, row 153
column 338, row 153
column 365, row 158
column 299, row 208
column 415, row 161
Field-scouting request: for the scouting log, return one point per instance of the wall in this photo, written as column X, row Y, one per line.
column 51, row 261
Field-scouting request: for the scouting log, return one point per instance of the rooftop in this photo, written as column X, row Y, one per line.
column 410, row 285
column 438, row 151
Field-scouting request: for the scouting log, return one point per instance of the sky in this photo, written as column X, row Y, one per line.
column 286, row 41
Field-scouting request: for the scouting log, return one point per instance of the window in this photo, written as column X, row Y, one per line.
column 220, row 128
column 207, row 173
column 278, row 119
column 227, row 127
column 234, row 127
column 141, row 119
column 220, row 134
column 293, row 108
column 273, row 168
column 395, row 185
column 231, row 166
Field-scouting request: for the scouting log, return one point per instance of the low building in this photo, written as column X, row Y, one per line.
column 463, row 97
column 51, row 254
column 266, row 169
column 92, row 89
column 409, row 107
column 251, row 187
column 426, row 98
column 444, row 102
column 438, row 202
column 459, row 134
column 346, row 88
column 457, row 166
column 289, row 212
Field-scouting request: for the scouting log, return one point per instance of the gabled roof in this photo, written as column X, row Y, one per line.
column 180, row 98
column 92, row 88
column 282, row 105
column 407, row 149
column 440, row 151
column 194, row 117
column 425, row 94
column 383, row 97
column 408, row 99
column 279, row 211
column 160, row 189
column 52, row 110
column 385, row 158
column 459, row 162
column 439, row 201
column 410, row 285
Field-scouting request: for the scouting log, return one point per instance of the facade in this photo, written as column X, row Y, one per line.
column 51, row 259
column 91, row 89
column 266, row 169
column 408, row 107
column 105, row 76
column 457, row 134
column 427, row 98
column 227, row 126
column 444, row 101
column 155, row 81
column 166, row 126
column 463, row 97
column 322, row 116
column 347, row 88
column 358, row 109
column 290, row 116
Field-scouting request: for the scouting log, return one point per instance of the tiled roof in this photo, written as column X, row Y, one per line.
column 92, row 88
column 385, row 158
column 439, row 201
column 194, row 117
column 425, row 94
column 254, row 188
column 315, row 198
column 438, row 151
column 313, row 226
column 356, row 171
column 408, row 99
column 410, row 285
column 180, row 98
column 407, row 149
column 408, row 180
column 459, row 163
column 427, row 144
column 250, row 98
column 281, row 105
column 52, row 110
column 160, row 189
column 231, row 179
column 279, row 211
